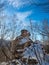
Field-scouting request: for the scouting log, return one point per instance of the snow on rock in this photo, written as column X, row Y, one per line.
column 24, row 40
column 3, row 63
column 47, row 57
column 29, row 52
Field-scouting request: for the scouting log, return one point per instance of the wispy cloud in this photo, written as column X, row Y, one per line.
column 23, row 15
column 22, row 3
column 19, row 3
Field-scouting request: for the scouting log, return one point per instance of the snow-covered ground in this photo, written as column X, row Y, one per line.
column 29, row 52
column 34, row 51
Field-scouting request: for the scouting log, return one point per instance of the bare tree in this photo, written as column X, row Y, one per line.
column 8, row 30
column 14, row 26
column 33, row 27
column 4, row 28
column 43, row 29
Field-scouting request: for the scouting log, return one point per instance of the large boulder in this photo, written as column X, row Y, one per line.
column 46, row 48
column 5, row 53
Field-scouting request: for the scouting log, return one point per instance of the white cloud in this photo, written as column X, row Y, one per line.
column 22, row 19
column 20, row 3
column 15, row 3
column 23, row 15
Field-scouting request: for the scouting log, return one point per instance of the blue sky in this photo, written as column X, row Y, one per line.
column 22, row 6
column 28, row 11
column 25, row 10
